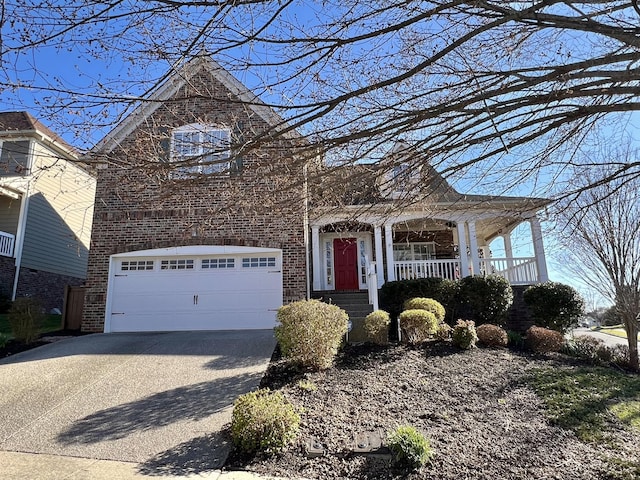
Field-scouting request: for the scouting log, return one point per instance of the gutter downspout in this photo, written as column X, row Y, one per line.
column 22, row 226
column 306, row 227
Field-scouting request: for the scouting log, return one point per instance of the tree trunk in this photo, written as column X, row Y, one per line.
column 631, row 327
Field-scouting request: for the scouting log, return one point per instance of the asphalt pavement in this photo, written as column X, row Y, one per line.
column 150, row 404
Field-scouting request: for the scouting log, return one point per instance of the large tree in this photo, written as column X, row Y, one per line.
column 602, row 247
column 506, row 90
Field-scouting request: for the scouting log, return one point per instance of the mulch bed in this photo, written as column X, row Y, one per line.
column 12, row 347
column 481, row 418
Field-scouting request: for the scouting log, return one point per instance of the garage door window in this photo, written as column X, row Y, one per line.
column 127, row 266
column 218, row 263
column 181, row 264
column 258, row 262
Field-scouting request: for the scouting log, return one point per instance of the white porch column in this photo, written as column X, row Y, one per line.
column 508, row 248
column 462, row 249
column 377, row 232
column 473, row 246
column 508, row 252
column 538, row 249
column 315, row 257
column 388, row 242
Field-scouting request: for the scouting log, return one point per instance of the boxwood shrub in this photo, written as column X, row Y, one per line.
column 393, row 295
column 417, row 325
column 487, row 298
column 310, row 332
column 376, row 326
column 554, row 305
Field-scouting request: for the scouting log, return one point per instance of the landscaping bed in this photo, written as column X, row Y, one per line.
column 483, row 411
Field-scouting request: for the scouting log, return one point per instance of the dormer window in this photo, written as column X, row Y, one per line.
column 201, row 148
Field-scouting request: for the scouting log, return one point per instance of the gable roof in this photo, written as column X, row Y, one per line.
column 175, row 80
column 24, row 124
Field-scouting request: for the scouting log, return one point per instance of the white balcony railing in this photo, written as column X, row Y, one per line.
column 6, row 244
column 518, row 271
column 449, row 268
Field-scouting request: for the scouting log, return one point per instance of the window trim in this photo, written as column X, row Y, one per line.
column 432, row 254
column 209, row 159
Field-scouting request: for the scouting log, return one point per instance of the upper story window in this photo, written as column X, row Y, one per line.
column 203, row 148
column 14, row 157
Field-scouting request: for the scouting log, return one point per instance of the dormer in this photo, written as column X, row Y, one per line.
column 403, row 173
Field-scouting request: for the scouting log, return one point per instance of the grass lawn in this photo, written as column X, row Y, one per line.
column 616, row 331
column 51, row 323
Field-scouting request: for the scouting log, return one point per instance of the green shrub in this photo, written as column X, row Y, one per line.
column 263, row 421
column 444, row 331
column 310, row 332
column 464, row 334
column 409, row 447
column 492, row 335
column 554, row 305
column 597, row 352
column 25, row 318
column 394, row 294
column 544, row 340
column 487, row 298
column 428, row 304
column 417, row 325
column 4, row 339
column 515, row 340
column 376, row 326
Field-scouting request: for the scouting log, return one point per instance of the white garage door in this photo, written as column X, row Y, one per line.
column 194, row 288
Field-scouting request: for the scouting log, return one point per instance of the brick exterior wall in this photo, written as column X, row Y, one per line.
column 519, row 316
column 47, row 287
column 139, row 206
column 7, row 270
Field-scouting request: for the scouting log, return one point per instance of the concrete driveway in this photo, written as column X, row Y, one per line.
column 158, row 399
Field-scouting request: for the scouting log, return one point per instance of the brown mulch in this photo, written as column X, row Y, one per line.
column 482, row 420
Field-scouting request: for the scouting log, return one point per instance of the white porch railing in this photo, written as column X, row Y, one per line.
column 448, row 268
column 523, row 271
column 6, row 244
column 518, row 271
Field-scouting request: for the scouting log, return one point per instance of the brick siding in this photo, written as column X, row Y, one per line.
column 138, row 207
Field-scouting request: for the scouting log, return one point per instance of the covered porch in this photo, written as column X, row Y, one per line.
column 365, row 253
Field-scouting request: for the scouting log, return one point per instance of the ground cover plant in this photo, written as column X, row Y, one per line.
column 487, row 414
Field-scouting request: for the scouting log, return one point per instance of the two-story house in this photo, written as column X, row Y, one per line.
column 198, row 226
column 46, row 210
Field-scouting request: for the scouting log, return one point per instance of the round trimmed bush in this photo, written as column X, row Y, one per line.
column 464, row 334
column 417, row 325
column 488, row 298
column 310, row 332
column 428, row 304
column 554, row 305
column 376, row 326
column 263, row 421
column 492, row 335
column 544, row 340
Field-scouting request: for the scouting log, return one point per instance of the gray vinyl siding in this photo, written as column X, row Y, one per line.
column 59, row 217
column 9, row 214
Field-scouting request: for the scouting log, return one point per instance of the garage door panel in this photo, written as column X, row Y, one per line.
column 196, row 298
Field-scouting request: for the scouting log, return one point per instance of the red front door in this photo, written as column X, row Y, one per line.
column 345, row 263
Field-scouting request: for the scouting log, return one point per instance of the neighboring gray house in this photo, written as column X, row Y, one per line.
column 46, row 210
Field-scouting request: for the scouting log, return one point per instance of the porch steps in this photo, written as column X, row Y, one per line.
column 357, row 306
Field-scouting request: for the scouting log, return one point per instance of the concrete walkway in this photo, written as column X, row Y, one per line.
column 16, row 465
column 609, row 340
column 128, row 405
